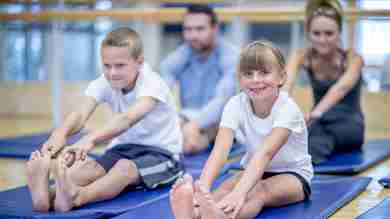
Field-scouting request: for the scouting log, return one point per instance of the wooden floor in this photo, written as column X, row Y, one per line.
column 17, row 126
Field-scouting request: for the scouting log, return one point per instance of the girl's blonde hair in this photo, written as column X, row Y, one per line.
column 258, row 55
column 328, row 8
column 125, row 37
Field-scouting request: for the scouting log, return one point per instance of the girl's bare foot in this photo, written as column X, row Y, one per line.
column 181, row 198
column 208, row 207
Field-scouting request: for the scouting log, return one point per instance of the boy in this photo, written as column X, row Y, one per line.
column 145, row 130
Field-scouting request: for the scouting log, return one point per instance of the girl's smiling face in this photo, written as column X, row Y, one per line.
column 261, row 71
column 262, row 84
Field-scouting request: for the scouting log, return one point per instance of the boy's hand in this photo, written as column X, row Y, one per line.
column 232, row 203
column 77, row 151
column 53, row 144
column 74, row 153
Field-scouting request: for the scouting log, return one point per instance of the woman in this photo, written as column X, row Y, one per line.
column 336, row 122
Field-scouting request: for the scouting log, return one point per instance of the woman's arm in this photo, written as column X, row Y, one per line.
column 295, row 61
column 218, row 156
column 341, row 88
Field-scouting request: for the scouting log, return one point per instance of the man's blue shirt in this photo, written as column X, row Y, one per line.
column 206, row 83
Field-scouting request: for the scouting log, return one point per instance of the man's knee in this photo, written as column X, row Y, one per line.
column 193, row 147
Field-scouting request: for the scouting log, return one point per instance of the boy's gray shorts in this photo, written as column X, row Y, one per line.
column 156, row 166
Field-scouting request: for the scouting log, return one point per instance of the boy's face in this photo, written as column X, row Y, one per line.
column 262, row 84
column 199, row 32
column 119, row 67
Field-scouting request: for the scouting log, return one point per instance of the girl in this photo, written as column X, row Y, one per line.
column 266, row 120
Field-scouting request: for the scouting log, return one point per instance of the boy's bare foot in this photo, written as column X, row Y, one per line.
column 181, row 198
column 208, row 207
column 66, row 191
column 38, row 180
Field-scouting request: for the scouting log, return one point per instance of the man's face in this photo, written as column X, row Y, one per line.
column 199, row 32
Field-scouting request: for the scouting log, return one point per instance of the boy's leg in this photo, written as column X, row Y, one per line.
column 83, row 178
column 275, row 191
column 70, row 195
column 38, row 168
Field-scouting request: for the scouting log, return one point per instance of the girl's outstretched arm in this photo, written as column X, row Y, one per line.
column 218, row 156
column 254, row 170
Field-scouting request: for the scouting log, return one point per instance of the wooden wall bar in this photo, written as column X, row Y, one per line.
column 174, row 15
column 43, row 2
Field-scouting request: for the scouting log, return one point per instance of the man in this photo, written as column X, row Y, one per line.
column 204, row 68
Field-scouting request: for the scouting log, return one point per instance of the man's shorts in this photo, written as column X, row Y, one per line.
column 156, row 166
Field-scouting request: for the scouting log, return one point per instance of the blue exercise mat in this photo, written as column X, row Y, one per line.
column 21, row 147
column 372, row 152
column 329, row 193
column 380, row 211
column 198, row 160
column 348, row 163
column 16, row 203
column 385, row 181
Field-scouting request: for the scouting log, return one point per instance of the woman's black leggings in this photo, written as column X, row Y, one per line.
column 335, row 132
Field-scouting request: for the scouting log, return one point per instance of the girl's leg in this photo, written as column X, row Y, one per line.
column 70, row 195
column 208, row 208
column 181, row 198
column 275, row 191
column 226, row 187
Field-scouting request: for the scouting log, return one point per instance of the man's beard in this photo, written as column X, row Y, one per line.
column 203, row 48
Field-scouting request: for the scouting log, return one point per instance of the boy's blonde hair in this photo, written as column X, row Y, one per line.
column 328, row 8
column 258, row 55
column 125, row 37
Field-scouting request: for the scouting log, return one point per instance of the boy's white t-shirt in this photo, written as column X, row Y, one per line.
column 160, row 127
column 251, row 131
